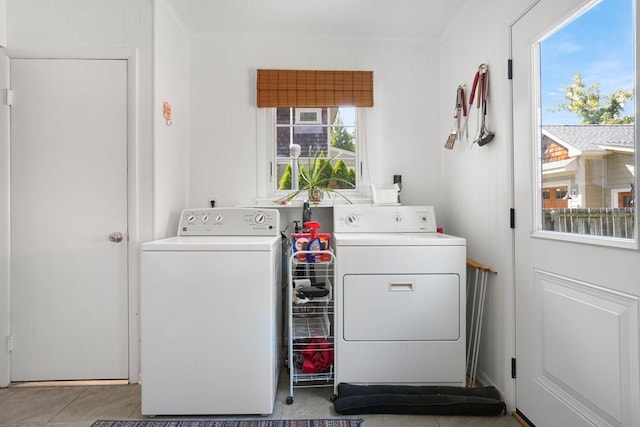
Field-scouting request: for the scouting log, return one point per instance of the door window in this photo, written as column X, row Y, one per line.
column 586, row 129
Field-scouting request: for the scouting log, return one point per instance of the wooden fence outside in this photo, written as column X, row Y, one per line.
column 610, row 222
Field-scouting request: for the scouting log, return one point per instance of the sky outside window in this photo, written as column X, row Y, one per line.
column 599, row 46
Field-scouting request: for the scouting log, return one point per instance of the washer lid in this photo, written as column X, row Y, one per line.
column 397, row 239
column 214, row 243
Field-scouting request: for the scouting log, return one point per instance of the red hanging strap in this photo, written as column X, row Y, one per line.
column 473, row 87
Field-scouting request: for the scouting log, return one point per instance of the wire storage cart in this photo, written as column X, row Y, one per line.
column 310, row 320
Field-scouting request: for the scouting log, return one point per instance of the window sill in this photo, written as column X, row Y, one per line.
column 326, row 203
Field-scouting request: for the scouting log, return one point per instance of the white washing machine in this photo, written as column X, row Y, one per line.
column 211, row 313
column 400, row 297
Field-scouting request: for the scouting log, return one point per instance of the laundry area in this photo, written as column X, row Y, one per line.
column 283, row 210
column 374, row 312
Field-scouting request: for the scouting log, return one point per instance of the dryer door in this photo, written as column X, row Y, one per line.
column 424, row 307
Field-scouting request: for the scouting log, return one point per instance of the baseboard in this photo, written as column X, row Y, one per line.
column 524, row 421
column 68, row 383
column 485, row 380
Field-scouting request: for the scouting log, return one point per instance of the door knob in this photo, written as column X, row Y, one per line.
column 116, row 237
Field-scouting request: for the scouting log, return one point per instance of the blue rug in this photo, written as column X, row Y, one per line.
column 330, row 422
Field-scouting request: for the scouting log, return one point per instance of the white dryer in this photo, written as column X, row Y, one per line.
column 211, row 313
column 399, row 297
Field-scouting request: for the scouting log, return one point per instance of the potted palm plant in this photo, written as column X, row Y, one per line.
column 315, row 179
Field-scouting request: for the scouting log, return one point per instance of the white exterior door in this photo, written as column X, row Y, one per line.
column 69, row 292
column 576, row 297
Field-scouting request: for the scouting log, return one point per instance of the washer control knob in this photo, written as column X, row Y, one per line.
column 205, row 218
column 191, row 218
column 352, row 219
column 260, row 218
column 219, row 218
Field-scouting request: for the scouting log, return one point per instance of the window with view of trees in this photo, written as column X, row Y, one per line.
column 328, row 144
column 587, row 124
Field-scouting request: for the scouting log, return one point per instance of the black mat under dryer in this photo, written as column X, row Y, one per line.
column 418, row 400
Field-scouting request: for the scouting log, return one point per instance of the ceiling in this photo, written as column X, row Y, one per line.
column 361, row 18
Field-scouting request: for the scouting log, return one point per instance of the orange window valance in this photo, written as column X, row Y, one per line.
column 314, row 88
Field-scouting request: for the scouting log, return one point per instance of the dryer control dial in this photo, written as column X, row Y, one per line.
column 352, row 219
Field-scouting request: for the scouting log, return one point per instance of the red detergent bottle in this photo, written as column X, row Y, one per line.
column 314, row 241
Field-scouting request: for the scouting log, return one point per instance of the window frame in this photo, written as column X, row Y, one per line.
column 537, row 226
column 266, row 173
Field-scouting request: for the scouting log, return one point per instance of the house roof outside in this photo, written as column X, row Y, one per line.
column 592, row 137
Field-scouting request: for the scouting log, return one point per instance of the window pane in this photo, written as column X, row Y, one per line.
column 324, row 132
column 587, row 147
column 344, row 144
column 347, row 115
column 283, row 115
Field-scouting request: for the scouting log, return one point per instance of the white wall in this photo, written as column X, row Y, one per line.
column 3, row 23
column 68, row 23
column 402, row 129
column 478, row 180
column 171, row 143
column 97, row 28
column 4, row 224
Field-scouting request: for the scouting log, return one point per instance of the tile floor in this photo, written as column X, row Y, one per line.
column 80, row 406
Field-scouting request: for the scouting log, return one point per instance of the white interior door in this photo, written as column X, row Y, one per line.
column 69, row 316
column 576, row 296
